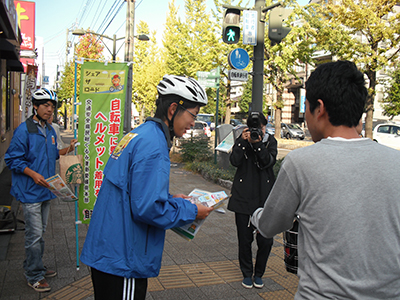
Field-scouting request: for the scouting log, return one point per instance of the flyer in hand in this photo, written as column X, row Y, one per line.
column 60, row 189
column 205, row 198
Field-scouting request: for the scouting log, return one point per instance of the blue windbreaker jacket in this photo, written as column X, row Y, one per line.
column 30, row 148
column 134, row 208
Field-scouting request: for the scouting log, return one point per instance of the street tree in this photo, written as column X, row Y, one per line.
column 148, row 70
column 391, row 101
column 191, row 45
column 222, row 51
column 283, row 59
column 365, row 31
column 246, row 99
column 88, row 47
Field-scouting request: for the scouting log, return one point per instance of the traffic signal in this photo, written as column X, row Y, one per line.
column 231, row 28
column 276, row 29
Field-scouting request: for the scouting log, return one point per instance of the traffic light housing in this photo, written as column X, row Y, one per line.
column 276, row 29
column 231, row 26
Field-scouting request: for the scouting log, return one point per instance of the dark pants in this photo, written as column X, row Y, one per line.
column 245, row 232
column 107, row 287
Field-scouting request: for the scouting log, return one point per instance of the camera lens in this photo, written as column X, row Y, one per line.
column 254, row 134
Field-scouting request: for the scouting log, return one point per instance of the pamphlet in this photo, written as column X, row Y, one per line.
column 205, row 198
column 60, row 189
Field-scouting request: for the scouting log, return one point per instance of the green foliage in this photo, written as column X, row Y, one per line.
column 391, row 101
column 87, row 47
column 211, row 171
column 198, row 157
column 282, row 60
column 148, row 70
column 277, row 166
column 196, row 149
column 365, row 32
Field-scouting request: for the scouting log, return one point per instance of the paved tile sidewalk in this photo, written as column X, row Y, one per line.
column 204, row 268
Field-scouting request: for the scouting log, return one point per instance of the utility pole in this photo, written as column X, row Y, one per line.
column 129, row 37
column 258, row 62
column 129, row 32
column 66, row 50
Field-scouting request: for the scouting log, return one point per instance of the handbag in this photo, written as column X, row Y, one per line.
column 290, row 248
column 71, row 170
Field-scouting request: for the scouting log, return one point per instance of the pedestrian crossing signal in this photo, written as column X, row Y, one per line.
column 231, row 26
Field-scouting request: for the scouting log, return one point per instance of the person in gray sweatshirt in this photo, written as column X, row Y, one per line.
column 344, row 190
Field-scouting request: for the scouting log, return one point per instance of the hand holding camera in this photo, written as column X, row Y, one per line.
column 251, row 136
column 253, row 133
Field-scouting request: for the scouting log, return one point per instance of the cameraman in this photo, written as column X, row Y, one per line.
column 254, row 155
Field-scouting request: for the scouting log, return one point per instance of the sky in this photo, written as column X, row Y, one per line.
column 53, row 18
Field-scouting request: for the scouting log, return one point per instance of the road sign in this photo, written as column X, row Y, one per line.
column 250, row 27
column 238, row 59
column 45, row 80
column 208, row 79
column 238, row 75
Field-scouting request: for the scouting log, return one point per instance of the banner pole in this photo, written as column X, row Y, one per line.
column 76, row 188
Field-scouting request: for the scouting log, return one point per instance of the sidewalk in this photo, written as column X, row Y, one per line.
column 204, row 268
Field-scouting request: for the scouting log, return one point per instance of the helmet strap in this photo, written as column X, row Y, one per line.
column 171, row 122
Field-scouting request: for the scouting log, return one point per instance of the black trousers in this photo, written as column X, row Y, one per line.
column 112, row 287
column 245, row 232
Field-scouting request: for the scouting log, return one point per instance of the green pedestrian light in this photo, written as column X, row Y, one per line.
column 231, row 26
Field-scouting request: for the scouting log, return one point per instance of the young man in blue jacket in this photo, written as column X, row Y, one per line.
column 125, row 240
column 31, row 158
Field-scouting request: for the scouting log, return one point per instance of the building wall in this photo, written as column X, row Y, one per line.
column 10, row 100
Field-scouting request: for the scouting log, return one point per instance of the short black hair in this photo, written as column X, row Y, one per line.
column 341, row 86
column 164, row 101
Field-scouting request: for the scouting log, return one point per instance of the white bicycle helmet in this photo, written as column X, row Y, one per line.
column 186, row 87
column 44, row 95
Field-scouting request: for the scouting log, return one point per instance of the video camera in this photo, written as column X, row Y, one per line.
column 254, row 125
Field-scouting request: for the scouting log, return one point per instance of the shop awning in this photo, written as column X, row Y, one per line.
column 8, row 50
column 14, row 65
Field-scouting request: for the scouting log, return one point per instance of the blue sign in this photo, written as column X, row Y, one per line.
column 238, row 59
column 302, row 101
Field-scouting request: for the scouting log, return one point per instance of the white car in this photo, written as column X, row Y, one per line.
column 387, row 134
column 200, row 129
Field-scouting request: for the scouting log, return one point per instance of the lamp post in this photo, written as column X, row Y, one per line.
column 68, row 43
column 141, row 37
column 114, row 39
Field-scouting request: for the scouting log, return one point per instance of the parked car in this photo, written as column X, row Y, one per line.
column 292, row 131
column 270, row 129
column 200, row 129
column 208, row 118
column 235, row 122
column 387, row 134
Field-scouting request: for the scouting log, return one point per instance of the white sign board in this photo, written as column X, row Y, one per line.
column 250, row 27
column 238, row 75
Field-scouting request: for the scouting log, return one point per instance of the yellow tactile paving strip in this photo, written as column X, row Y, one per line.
column 198, row 275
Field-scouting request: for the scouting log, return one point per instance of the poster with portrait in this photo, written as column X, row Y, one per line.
column 103, row 90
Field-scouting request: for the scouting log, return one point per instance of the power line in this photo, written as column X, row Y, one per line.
column 110, row 11
column 93, row 23
column 122, row 3
column 88, row 9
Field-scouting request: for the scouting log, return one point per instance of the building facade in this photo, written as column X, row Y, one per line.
column 10, row 75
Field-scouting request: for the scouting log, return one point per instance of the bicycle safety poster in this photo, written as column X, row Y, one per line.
column 103, row 89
